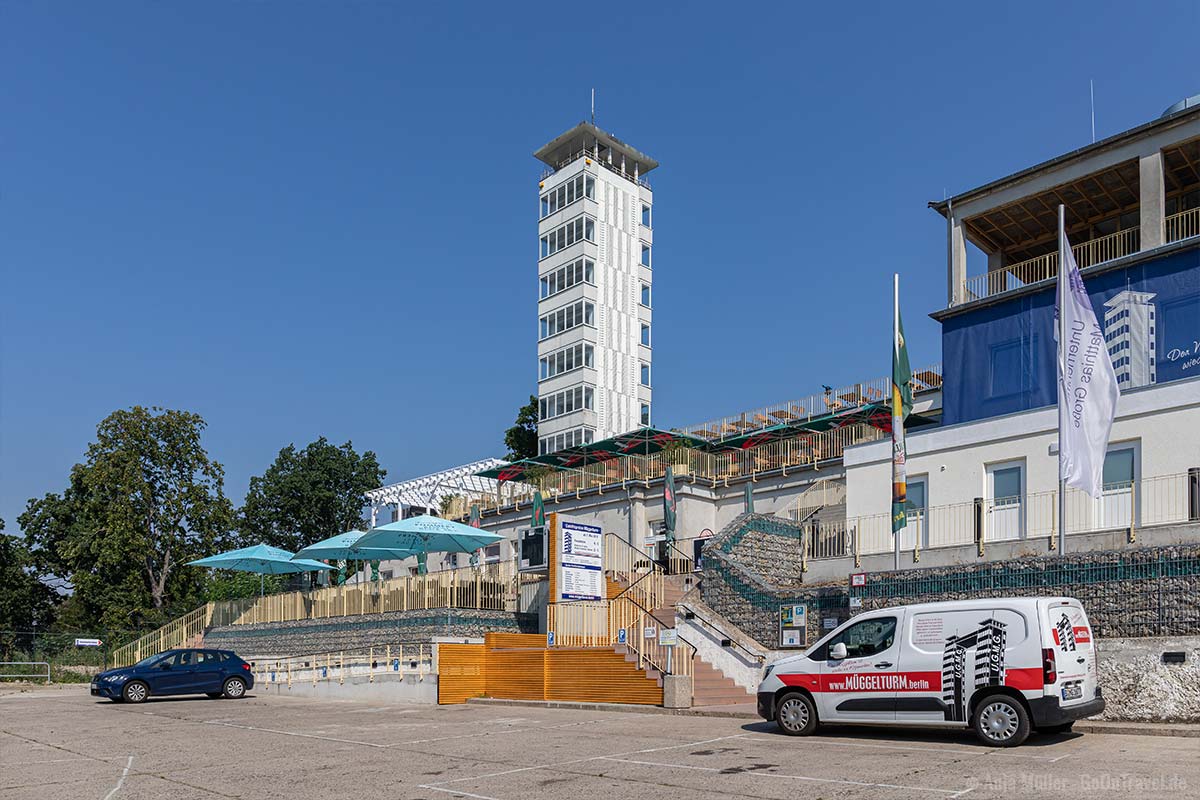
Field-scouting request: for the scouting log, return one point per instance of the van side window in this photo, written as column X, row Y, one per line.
column 866, row 638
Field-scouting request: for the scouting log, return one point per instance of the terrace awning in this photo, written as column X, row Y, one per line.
column 877, row 415
column 642, row 442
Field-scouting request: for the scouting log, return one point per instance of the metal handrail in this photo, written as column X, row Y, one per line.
column 588, row 153
column 636, row 644
column 725, row 635
column 26, row 675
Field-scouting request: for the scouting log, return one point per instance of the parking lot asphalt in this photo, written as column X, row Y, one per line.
column 62, row 743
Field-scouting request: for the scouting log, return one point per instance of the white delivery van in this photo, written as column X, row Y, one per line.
column 1002, row 666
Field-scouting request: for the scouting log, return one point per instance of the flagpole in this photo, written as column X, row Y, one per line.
column 895, row 350
column 1062, row 343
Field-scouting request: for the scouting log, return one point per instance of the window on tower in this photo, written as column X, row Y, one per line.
column 646, row 295
column 565, row 318
column 565, row 402
column 645, row 375
column 561, row 441
column 565, row 360
column 645, row 413
column 645, row 255
column 645, row 215
column 566, row 193
column 578, row 271
column 577, row 230
column 645, row 334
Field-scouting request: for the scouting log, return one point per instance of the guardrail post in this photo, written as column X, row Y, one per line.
column 979, row 525
column 371, row 663
column 1132, row 513
column 1193, row 494
column 857, row 546
column 341, row 668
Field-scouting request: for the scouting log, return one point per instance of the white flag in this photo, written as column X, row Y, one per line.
column 1087, row 385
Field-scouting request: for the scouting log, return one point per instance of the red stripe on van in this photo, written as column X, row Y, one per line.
column 1025, row 678
column 858, row 682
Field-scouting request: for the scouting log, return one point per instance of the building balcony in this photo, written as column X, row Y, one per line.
column 1010, row 277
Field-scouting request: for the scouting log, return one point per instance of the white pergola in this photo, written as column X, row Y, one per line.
column 427, row 491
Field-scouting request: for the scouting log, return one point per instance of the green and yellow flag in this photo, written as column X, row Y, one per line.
column 901, row 405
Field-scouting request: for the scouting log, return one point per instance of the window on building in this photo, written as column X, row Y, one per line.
column 645, row 334
column 578, row 313
column 646, row 295
column 646, row 215
column 566, row 193
column 581, row 270
column 645, row 255
column 577, row 230
column 561, row 441
column 565, row 402
column 565, row 360
column 646, row 414
column 645, row 375
column 1118, row 468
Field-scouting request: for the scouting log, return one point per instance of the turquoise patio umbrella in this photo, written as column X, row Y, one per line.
column 260, row 558
column 340, row 546
column 427, row 534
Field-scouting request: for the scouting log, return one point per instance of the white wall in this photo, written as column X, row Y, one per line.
column 1164, row 420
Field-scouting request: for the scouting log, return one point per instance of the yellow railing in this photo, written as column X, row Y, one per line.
column 1044, row 267
column 1160, row 500
column 492, row 587
column 579, row 624
column 635, row 619
column 181, row 632
column 1183, row 225
column 406, row 658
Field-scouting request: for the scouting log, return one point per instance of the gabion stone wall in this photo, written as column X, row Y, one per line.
column 1140, row 591
column 752, row 567
column 304, row 637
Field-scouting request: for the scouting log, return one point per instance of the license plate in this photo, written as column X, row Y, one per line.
column 1072, row 692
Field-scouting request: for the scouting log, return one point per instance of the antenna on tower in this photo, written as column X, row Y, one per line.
column 594, row 107
column 1092, row 93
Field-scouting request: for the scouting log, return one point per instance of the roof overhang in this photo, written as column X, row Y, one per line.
column 586, row 136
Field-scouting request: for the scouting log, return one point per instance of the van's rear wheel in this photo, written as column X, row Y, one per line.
column 796, row 715
column 1001, row 721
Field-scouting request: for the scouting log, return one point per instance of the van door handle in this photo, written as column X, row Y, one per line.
column 883, row 665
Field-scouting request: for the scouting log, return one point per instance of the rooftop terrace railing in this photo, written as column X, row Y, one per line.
column 1176, row 227
column 815, row 405
column 1043, row 267
column 803, row 452
column 588, row 153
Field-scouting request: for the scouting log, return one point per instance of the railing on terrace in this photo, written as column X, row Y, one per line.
column 402, row 658
column 1183, row 225
column 588, row 153
column 815, row 405
column 177, row 633
column 492, row 588
column 1161, row 500
column 687, row 465
column 816, row 496
column 1044, row 267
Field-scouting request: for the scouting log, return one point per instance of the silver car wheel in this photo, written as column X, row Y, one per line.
column 235, row 687
column 135, row 692
column 999, row 722
column 793, row 714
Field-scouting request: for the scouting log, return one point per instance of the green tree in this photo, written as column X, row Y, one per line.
column 308, row 495
column 147, row 500
column 521, row 439
column 26, row 604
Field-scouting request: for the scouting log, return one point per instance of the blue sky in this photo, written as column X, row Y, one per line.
column 307, row 219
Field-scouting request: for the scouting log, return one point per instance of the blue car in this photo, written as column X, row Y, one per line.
column 216, row 673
